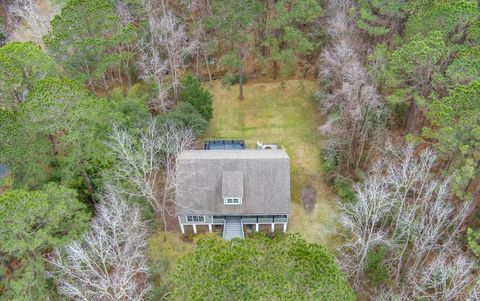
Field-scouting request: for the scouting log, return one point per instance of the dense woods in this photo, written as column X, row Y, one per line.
column 98, row 97
column 399, row 81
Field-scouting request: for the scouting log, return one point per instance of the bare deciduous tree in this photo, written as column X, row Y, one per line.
column 153, row 66
column 32, row 22
column 403, row 207
column 365, row 221
column 123, row 12
column 148, row 165
column 444, row 279
column 168, row 48
column 178, row 46
column 198, row 11
column 474, row 293
column 361, row 111
column 109, row 262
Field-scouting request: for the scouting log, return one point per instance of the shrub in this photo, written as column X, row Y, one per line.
column 397, row 107
column 344, row 188
column 185, row 115
column 230, row 79
column 376, row 270
column 318, row 97
column 330, row 161
column 473, row 239
column 197, row 96
column 259, row 268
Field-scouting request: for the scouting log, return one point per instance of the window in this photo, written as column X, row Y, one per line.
column 195, row 218
column 232, row 201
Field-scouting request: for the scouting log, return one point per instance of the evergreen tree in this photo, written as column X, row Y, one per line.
column 21, row 64
column 410, row 72
column 453, row 18
column 33, row 223
column 234, row 21
column 90, row 42
column 184, row 115
column 378, row 17
column 197, row 96
column 260, row 268
column 286, row 36
column 455, row 129
column 81, row 126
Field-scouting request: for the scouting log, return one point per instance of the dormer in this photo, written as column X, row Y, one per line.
column 232, row 188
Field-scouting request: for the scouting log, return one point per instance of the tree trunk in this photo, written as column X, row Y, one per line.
column 120, row 78
column 6, row 261
column 470, row 182
column 197, row 62
column 208, row 68
column 91, row 84
column 446, row 166
column 275, row 69
column 164, row 7
column 476, row 195
column 127, row 72
column 105, row 86
column 174, row 70
column 475, row 201
column 52, row 142
column 86, row 178
column 164, row 209
column 411, row 118
column 18, row 98
column 240, row 72
column 164, row 221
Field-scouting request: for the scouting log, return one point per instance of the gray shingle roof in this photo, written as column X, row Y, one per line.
column 232, row 184
column 204, row 177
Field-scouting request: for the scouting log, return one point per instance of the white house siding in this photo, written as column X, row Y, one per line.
column 255, row 221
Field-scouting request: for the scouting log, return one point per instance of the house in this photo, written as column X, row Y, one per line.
column 233, row 191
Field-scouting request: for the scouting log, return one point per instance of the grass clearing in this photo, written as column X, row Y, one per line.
column 281, row 114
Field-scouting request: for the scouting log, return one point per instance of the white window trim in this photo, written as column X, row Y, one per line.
column 237, row 199
column 200, row 218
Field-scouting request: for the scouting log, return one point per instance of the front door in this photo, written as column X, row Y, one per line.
column 233, row 219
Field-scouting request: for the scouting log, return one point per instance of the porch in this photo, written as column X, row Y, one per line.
column 232, row 226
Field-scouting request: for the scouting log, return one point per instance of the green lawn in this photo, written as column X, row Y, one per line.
column 284, row 115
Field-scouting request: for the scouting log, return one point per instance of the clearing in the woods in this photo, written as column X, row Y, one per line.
column 283, row 114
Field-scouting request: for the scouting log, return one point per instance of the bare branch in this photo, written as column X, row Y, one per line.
column 109, row 262
column 403, row 207
column 148, row 163
column 33, row 21
column 360, row 109
column 168, row 47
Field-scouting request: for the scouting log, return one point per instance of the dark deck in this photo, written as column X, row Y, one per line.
column 224, row 144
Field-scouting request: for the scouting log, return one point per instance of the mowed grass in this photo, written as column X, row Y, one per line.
column 281, row 114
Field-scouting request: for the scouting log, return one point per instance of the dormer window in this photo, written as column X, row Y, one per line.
column 232, row 201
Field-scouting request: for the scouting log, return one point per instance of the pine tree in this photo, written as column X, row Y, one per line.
column 197, row 96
